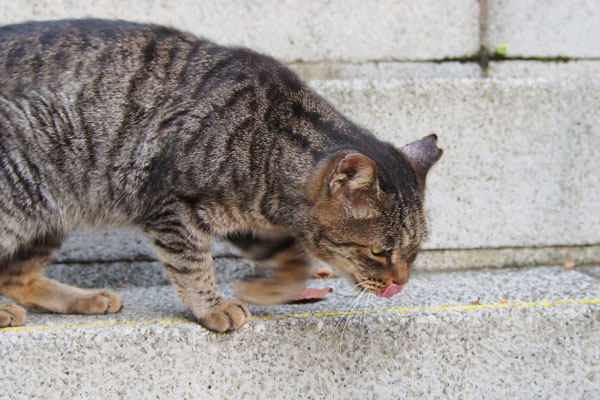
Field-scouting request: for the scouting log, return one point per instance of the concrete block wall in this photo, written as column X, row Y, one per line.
column 518, row 183
column 542, row 28
column 296, row 30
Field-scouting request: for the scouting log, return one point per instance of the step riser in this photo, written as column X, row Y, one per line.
column 308, row 30
column 355, row 30
column 419, row 356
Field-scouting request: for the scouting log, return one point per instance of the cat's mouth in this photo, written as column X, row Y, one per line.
column 390, row 290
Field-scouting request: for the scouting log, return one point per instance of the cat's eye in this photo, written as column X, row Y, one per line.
column 379, row 252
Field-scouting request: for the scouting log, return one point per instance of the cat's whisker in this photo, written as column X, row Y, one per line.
column 350, row 287
column 349, row 309
column 346, row 323
column 343, row 293
column 362, row 321
column 334, row 303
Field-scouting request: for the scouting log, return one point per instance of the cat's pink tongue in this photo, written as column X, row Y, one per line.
column 390, row 290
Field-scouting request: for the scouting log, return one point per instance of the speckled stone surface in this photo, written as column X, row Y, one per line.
column 293, row 30
column 386, row 70
column 592, row 270
column 423, row 289
column 140, row 273
column 537, row 351
column 449, row 259
column 115, row 245
column 580, row 69
column 543, row 28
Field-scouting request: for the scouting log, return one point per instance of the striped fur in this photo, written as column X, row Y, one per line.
column 109, row 123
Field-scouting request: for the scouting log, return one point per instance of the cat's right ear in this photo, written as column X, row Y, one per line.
column 354, row 185
column 423, row 153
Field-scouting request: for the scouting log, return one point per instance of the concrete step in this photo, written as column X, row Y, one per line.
column 497, row 334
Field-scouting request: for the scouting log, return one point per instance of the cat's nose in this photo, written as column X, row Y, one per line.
column 400, row 276
column 400, row 281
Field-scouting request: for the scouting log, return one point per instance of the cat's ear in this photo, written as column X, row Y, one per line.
column 353, row 183
column 423, row 153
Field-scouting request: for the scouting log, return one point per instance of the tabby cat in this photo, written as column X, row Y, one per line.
column 110, row 123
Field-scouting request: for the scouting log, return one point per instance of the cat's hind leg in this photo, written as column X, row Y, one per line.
column 11, row 315
column 291, row 268
column 22, row 280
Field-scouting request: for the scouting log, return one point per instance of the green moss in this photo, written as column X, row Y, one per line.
column 500, row 49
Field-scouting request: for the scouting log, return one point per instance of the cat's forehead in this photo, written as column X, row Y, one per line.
column 405, row 238
column 404, row 226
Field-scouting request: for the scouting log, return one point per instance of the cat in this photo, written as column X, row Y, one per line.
column 111, row 123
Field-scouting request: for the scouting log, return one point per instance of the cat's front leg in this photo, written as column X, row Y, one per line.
column 188, row 262
column 291, row 268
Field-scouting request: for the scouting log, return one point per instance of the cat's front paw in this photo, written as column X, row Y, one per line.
column 11, row 315
column 264, row 291
column 225, row 317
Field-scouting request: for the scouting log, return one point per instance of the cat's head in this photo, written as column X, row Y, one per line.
column 368, row 217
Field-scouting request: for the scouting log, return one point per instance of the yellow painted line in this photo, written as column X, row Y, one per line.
column 318, row 314
column 100, row 324
column 422, row 309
